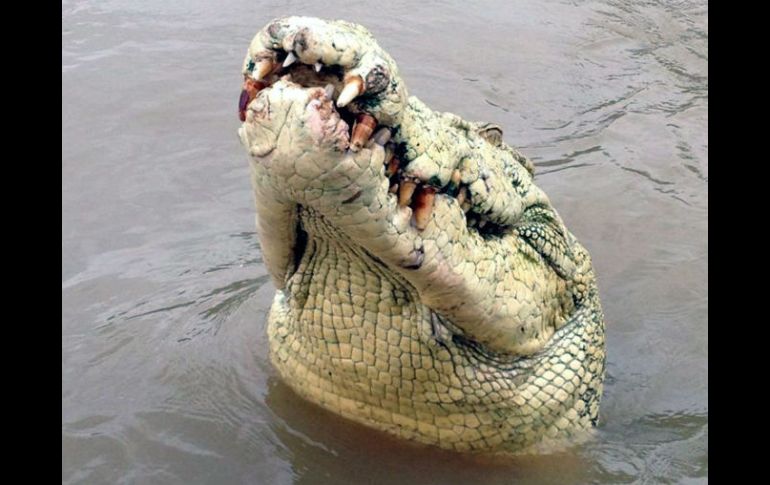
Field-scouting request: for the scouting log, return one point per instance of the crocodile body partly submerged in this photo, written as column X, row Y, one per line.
column 426, row 286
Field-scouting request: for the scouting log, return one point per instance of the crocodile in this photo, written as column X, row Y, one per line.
column 426, row 287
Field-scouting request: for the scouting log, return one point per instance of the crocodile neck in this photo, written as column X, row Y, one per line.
column 353, row 338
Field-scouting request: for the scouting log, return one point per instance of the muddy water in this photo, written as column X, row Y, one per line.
column 165, row 377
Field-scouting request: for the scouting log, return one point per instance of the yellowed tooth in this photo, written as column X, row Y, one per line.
column 362, row 130
column 263, row 68
column 423, row 206
column 382, row 136
column 393, row 189
column 456, row 177
column 389, row 150
column 318, row 66
column 462, row 194
column 392, row 167
column 405, row 191
column 354, row 86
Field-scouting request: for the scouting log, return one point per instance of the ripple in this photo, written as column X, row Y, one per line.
column 165, row 373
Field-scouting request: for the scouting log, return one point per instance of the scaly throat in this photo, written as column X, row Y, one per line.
column 330, row 266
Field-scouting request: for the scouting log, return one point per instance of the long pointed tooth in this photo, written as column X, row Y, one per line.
column 263, row 68
column 405, row 191
column 243, row 102
column 354, row 86
column 317, row 66
column 382, row 136
column 329, row 89
column 423, row 206
column 389, row 151
column 362, row 130
column 290, row 59
column 393, row 189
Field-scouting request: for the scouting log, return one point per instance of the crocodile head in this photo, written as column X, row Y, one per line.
column 426, row 286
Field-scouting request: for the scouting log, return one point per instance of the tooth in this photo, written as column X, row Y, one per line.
column 243, row 102
column 253, row 87
column 318, row 66
column 263, row 68
column 454, row 184
column 329, row 90
column 389, row 150
column 362, row 130
column 393, row 188
column 466, row 206
column 405, row 191
column 382, row 136
column 392, row 167
column 482, row 223
column 249, row 92
column 424, row 206
column 354, row 86
column 462, row 195
column 289, row 59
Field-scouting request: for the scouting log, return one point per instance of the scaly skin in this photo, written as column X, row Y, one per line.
column 482, row 331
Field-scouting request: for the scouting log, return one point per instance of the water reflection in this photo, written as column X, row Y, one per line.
column 328, row 449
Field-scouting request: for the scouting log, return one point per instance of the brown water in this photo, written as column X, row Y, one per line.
column 165, row 377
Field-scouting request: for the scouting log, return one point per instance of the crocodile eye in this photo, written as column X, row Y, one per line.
column 492, row 133
column 250, row 67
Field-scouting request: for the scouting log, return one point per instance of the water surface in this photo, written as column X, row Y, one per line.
column 165, row 376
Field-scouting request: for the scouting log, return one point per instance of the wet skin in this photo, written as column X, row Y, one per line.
column 426, row 286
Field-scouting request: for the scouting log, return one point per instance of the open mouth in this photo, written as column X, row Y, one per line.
column 343, row 100
column 338, row 92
